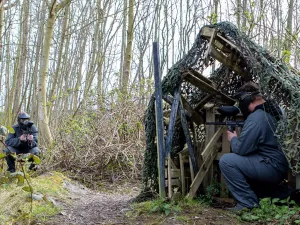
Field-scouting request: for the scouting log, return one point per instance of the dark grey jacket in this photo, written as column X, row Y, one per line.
column 258, row 137
column 13, row 140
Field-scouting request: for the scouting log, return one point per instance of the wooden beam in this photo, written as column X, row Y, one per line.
column 188, row 138
column 206, row 57
column 231, row 64
column 169, row 178
column 227, row 46
column 205, row 100
column 201, row 174
column 159, row 122
column 207, row 88
column 201, row 77
column 207, row 32
column 182, row 174
column 195, row 116
column 173, row 116
column 210, row 146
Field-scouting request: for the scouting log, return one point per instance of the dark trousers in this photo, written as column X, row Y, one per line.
column 11, row 161
column 241, row 172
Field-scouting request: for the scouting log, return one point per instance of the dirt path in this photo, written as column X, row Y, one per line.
column 90, row 207
column 110, row 207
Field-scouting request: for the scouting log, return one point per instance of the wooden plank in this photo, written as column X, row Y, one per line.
column 207, row 88
column 201, row 77
column 201, row 174
column 182, row 174
column 159, row 122
column 231, row 64
column 207, row 32
column 191, row 169
column 225, row 150
column 206, row 57
column 225, row 42
column 195, row 116
column 173, row 173
column 172, row 121
column 205, row 100
column 174, row 182
column 210, row 146
column 169, row 179
column 188, row 138
column 209, row 134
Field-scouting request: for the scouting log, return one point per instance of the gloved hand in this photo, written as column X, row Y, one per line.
column 23, row 137
column 230, row 135
column 30, row 137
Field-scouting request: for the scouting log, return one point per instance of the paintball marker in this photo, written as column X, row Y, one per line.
column 229, row 112
column 28, row 131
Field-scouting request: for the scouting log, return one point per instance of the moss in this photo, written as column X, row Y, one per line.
column 15, row 203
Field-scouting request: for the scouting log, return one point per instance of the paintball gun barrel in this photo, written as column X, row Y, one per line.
column 229, row 112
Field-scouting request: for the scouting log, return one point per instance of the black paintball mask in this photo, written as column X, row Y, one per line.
column 23, row 121
column 244, row 99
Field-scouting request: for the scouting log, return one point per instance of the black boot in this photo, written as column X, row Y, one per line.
column 10, row 164
column 33, row 167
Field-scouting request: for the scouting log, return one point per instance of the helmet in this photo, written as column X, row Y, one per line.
column 23, row 115
column 244, row 99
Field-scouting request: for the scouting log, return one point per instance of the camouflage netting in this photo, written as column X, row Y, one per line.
column 275, row 78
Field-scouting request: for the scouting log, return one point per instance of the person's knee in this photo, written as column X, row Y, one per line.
column 6, row 151
column 35, row 151
column 9, row 149
column 227, row 160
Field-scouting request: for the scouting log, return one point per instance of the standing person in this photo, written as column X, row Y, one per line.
column 256, row 159
column 24, row 140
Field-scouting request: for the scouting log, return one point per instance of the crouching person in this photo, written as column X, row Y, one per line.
column 256, row 158
column 23, row 141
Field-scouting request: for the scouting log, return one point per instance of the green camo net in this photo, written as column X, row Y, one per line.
column 275, row 78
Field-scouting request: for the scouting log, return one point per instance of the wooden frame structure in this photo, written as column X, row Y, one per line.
column 223, row 50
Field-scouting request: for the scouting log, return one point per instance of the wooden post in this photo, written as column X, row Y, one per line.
column 182, row 174
column 159, row 122
column 173, row 115
column 169, row 178
column 188, row 138
column 209, row 133
column 225, row 149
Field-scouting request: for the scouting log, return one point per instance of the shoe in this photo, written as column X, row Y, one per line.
column 33, row 167
column 11, row 170
column 295, row 195
column 237, row 209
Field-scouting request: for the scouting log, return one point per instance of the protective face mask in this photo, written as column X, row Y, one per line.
column 243, row 105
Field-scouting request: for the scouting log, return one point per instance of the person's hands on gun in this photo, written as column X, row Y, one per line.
column 30, row 137
column 23, row 138
column 230, row 135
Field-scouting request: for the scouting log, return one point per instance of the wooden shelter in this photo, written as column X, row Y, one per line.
column 202, row 156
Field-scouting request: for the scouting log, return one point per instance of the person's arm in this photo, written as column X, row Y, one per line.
column 12, row 140
column 248, row 141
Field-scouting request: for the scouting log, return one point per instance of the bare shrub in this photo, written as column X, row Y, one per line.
column 97, row 145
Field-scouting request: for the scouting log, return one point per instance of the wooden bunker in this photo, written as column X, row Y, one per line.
column 196, row 164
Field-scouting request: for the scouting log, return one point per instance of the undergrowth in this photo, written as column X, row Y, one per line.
column 100, row 145
column 274, row 211
column 164, row 206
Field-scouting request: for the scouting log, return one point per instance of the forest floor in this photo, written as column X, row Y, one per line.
column 112, row 205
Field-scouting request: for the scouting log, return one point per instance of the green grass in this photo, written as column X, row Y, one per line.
column 15, row 203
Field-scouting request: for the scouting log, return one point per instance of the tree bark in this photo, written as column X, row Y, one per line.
column 46, row 135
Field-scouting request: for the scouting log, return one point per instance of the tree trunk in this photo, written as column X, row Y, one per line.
column 128, row 51
column 46, row 135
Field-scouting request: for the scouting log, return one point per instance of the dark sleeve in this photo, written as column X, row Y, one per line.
column 34, row 132
column 12, row 140
column 248, row 141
